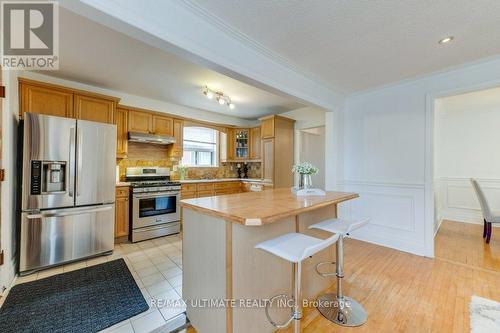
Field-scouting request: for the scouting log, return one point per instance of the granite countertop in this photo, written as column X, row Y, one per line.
column 258, row 208
column 216, row 180
column 122, row 184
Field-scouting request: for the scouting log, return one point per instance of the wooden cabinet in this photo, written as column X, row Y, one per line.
column 146, row 122
column 242, row 143
column 44, row 99
column 255, row 141
column 54, row 100
column 230, row 144
column 162, row 125
column 139, row 121
column 94, row 109
column 277, row 150
column 267, row 127
column 268, row 160
column 176, row 150
column 122, row 212
column 208, row 189
column 121, row 119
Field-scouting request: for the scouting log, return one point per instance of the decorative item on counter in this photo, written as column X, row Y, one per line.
column 245, row 170
column 305, row 171
column 238, row 166
column 182, row 169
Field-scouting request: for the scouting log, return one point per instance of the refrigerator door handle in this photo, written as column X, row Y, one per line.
column 71, row 161
column 68, row 212
column 79, row 162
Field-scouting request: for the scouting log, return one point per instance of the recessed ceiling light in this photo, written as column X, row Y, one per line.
column 446, row 40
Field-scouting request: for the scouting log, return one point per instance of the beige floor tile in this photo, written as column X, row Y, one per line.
column 147, row 271
column 160, row 259
column 74, row 266
column 178, row 290
column 166, row 265
column 159, row 287
column 146, row 244
column 152, row 279
column 27, row 278
column 139, row 265
column 97, row 261
column 148, row 322
column 49, row 272
column 172, row 272
column 175, row 281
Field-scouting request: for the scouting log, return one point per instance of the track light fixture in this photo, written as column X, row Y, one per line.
column 219, row 97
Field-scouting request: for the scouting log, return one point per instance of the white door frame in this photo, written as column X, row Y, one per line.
column 429, row 155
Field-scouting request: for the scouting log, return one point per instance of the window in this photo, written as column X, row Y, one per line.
column 200, row 147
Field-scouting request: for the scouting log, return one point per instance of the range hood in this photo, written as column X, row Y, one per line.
column 150, row 138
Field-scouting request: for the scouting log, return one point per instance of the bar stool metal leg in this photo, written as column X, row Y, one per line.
column 297, row 308
column 338, row 308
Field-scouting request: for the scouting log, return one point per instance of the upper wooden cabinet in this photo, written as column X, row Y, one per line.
column 44, row 99
column 230, row 143
column 242, row 143
column 121, row 119
column 176, row 149
column 277, row 150
column 162, row 125
column 139, row 121
column 267, row 127
column 255, row 143
column 94, row 109
column 54, row 100
column 146, row 122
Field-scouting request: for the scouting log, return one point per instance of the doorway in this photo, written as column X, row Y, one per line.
column 465, row 145
column 311, row 143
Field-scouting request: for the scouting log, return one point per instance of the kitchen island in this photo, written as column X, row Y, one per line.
column 220, row 261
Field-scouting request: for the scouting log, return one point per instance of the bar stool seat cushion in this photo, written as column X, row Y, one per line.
column 339, row 226
column 295, row 247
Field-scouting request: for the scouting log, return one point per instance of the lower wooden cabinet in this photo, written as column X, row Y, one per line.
column 203, row 189
column 122, row 212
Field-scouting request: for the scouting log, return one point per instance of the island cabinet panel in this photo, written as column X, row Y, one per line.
column 94, row 109
column 122, row 212
column 121, row 119
column 162, row 125
column 139, row 121
column 45, row 100
column 255, row 143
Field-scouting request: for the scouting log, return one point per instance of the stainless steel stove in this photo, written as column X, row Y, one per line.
column 155, row 199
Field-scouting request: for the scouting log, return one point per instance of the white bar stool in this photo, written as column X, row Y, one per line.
column 294, row 247
column 346, row 311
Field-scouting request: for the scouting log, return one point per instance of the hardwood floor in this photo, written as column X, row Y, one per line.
column 464, row 243
column 407, row 293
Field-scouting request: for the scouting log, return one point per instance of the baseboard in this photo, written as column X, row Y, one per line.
column 440, row 219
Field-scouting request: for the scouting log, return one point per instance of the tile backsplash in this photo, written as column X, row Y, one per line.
column 146, row 155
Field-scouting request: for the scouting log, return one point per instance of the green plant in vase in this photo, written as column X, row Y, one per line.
column 305, row 171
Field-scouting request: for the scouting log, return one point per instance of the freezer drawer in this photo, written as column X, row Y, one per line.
column 57, row 236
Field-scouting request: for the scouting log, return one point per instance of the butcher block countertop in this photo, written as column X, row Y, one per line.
column 258, row 208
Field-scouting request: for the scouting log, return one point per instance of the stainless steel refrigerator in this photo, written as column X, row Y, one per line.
column 68, row 190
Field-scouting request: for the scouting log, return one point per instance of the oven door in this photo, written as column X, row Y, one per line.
column 155, row 208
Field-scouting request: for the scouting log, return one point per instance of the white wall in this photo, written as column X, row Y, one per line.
column 387, row 154
column 466, row 138
column 312, row 150
column 307, row 118
column 8, row 187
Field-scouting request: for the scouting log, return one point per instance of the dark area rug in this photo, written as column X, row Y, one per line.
column 86, row 300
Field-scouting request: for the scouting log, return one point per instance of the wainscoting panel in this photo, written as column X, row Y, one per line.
column 396, row 211
column 455, row 199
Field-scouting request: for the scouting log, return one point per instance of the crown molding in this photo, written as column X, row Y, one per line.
column 246, row 40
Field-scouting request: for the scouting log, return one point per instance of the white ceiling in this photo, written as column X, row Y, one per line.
column 93, row 54
column 358, row 45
